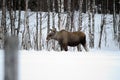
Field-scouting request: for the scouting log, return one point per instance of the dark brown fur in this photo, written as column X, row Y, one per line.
column 66, row 38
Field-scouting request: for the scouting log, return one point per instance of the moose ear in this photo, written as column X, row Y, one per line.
column 80, row 28
column 50, row 30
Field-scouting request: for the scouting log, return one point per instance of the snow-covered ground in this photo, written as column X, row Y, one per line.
column 71, row 65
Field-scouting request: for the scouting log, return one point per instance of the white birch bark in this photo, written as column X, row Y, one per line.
column 93, row 22
column 114, row 20
column 68, row 24
column 36, row 41
column 89, row 24
column 26, row 41
column 101, row 29
column 59, row 14
column 12, row 17
column 53, row 21
column 19, row 17
column 40, row 34
column 119, row 29
column 80, row 14
column 48, row 22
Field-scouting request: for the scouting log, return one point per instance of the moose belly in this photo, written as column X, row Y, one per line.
column 73, row 43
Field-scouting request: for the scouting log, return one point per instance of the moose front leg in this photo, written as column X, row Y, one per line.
column 61, row 47
column 65, row 47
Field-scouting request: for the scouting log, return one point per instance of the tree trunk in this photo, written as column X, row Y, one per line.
column 11, row 17
column 62, row 5
column 48, row 22
column 53, row 20
column 68, row 15
column 26, row 42
column 40, row 34
column 59, row 14
column 72, row 16
column 86, row 6
column 11, row 58
column 114, row 20
column 19, row 18
column 101, row 30
column 80, row 14
column 14, row 11
column 89, row 25
column 119, row 31
column 36, row 41
column 93, row 22
column 3, row 29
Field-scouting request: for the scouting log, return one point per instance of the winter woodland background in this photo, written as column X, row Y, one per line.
column 31, row 20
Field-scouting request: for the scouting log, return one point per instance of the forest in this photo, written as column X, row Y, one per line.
column 31, row 21
column 105, row 5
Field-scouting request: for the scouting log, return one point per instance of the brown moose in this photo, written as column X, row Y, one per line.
column 66, row 38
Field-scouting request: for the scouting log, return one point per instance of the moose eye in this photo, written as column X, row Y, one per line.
column 50, row 35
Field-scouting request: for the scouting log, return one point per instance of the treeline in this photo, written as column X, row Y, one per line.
column 15, row 20
column 101, row 6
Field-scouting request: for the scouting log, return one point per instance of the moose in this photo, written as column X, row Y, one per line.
column 66, row 38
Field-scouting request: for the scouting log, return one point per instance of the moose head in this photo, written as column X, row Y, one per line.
column 51, row 34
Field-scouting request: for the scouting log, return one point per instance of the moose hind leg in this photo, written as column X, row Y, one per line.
column 85, row 47
column 79, row 47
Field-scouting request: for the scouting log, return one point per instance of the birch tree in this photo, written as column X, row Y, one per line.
column 36, row 36
column 89, row 24
column 62, row 5
column 3, row 29
column 53, row 20
column 26, row 41
column 80, row 14
column 40, row 34
column 19, row 17
column 86, row 6
column 72, row 16
column 103, row 21
column 68, row 15
column 101, row 29
column 48, row 22
column 119, row 29
column 59, row 13
column 12, row 17
column 114, row 20
column 93, row 22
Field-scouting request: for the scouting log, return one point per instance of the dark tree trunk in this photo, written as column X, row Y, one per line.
column 101, row 30
column 3, row 29
column 11, row 58
column 48, row 22
column 68, row 15
column 40, row 35
column 114, row 20
column 12, row 21
column 19, row 18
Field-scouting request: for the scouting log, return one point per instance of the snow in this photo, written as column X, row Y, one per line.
column 70, row 65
